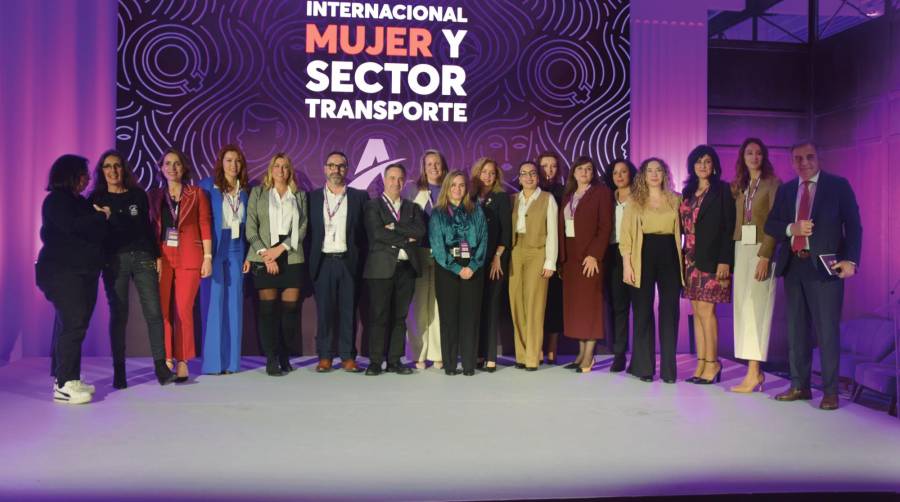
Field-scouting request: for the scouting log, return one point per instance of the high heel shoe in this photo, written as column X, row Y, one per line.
column 420, row 365
column 715, row 379
column 181, row 378
column 757, row 387
column 694, row 378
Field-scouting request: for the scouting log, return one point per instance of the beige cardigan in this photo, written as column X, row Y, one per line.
column 631, row 237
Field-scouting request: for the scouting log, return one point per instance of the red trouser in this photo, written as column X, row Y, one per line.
column 179, row 332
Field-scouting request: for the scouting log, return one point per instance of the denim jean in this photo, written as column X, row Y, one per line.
column 139, row 266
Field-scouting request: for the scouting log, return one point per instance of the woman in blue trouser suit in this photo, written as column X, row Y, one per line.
column 223, row 298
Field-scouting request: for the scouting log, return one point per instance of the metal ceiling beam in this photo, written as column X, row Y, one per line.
column 722, row 21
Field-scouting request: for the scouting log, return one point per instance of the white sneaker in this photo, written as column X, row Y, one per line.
column 84, row 387
column 70, row 393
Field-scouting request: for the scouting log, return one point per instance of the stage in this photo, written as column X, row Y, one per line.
column 507, row 435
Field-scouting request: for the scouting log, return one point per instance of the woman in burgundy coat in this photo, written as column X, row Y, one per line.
column 585, row 223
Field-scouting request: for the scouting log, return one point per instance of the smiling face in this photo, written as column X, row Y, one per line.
column 336, row 169
column 704, row 167
column 457, row 189
column 549, row 167
column 654, row 174
column 231, row 164
column 805, row 161
column 488, row 175
column 583, row 174
column 621, row 176
column 528, row 176
column 113, row 171
column 434, row 168
column 172, row 168
column 753, row 156
column 393, row 182
column 281, row 171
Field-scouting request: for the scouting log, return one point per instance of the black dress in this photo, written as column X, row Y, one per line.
column 553, row 316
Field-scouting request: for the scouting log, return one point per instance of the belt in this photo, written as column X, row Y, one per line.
column 337, row 256
column 802, row 254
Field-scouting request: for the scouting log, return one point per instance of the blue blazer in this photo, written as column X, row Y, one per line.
column 215, row 200
column 356, row 232
column 835, row 215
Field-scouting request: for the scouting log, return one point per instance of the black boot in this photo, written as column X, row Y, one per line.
column 163, row 374
column 119, row 380
column 273, row 368
column 289, row 323
column 618, row 363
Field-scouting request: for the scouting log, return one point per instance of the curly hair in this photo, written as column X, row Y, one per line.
column 640, row 191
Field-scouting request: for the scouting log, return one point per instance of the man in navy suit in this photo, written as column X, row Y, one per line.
column 337, row 241
column 814, row 215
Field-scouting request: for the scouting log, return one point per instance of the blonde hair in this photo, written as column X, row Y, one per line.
column 444, row 197
column 268, row 183
column 640, row 191
column 475, row 178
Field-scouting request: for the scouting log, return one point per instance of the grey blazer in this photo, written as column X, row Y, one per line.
column 258, row 224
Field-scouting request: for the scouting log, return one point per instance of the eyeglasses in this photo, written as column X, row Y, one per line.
column 528, row 174
column 336, row 166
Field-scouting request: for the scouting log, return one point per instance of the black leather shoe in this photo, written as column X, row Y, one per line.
column 163, row 374
column 529, row 368
column 273, row 368
column 468, row 372
column 646, row 378
column 119, row 381
column 285, row 363
column 450, row 372
column 571, row 366
column 520, row 366
column 398, row 369
column 668, row 380
column 373, row 370
column 618, row 364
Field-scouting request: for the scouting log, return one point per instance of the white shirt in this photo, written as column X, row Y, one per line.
column 230, row 201
column 620, row 211
column 396, row 205
column 551, row 248
column 282, row 213
column 814, row 181
column 336, row 226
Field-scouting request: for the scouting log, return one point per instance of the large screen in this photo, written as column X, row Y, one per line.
column 381, row 81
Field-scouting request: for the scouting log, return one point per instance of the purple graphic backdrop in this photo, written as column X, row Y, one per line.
column 541, row 75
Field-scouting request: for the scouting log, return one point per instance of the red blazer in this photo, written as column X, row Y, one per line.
column 593, row 225
column 194, row 224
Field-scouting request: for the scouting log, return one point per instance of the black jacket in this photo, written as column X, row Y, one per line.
column 498, row 219
column 72, row 232
column 714, row 229
column 385, row 244
column 356, row 235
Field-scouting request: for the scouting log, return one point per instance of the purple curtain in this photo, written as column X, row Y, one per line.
column 57, row 95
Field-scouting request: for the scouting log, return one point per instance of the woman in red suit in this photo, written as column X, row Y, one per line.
column 182, row 220
column 585, row 224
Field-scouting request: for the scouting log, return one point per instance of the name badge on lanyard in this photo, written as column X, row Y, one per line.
column 748, row 234
column 748, row 231
column 172, row 232
column 172, row 237
column 570, row 228
column 234, row 203
column 464, row 251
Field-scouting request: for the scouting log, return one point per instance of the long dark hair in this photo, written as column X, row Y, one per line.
column 608, row 174
column 544, row 183
column 691, row 184
column 742, row 172
column 571, row 184
column 100, row 185
column 66, row 172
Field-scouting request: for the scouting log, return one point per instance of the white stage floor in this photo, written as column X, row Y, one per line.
column 427, row 436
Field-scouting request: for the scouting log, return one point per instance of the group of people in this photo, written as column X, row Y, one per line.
column 446, row 248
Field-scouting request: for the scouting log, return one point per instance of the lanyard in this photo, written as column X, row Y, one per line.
column 337, row 207
column 390, row 206
column 748, row 202
column 173, row 208
column 234, row 202
column 576, row 199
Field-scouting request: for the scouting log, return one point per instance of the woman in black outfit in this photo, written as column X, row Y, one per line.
column 68, row 268
column 487, row 191
column 619, row 177
column 130, row 254
column 550, row 171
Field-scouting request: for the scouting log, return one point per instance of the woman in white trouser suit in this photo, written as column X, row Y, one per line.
column 754, row 190
column 424, row 334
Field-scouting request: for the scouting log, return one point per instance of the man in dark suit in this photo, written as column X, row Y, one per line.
column 337, row 241
column 813, row 216
column 394, row 227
